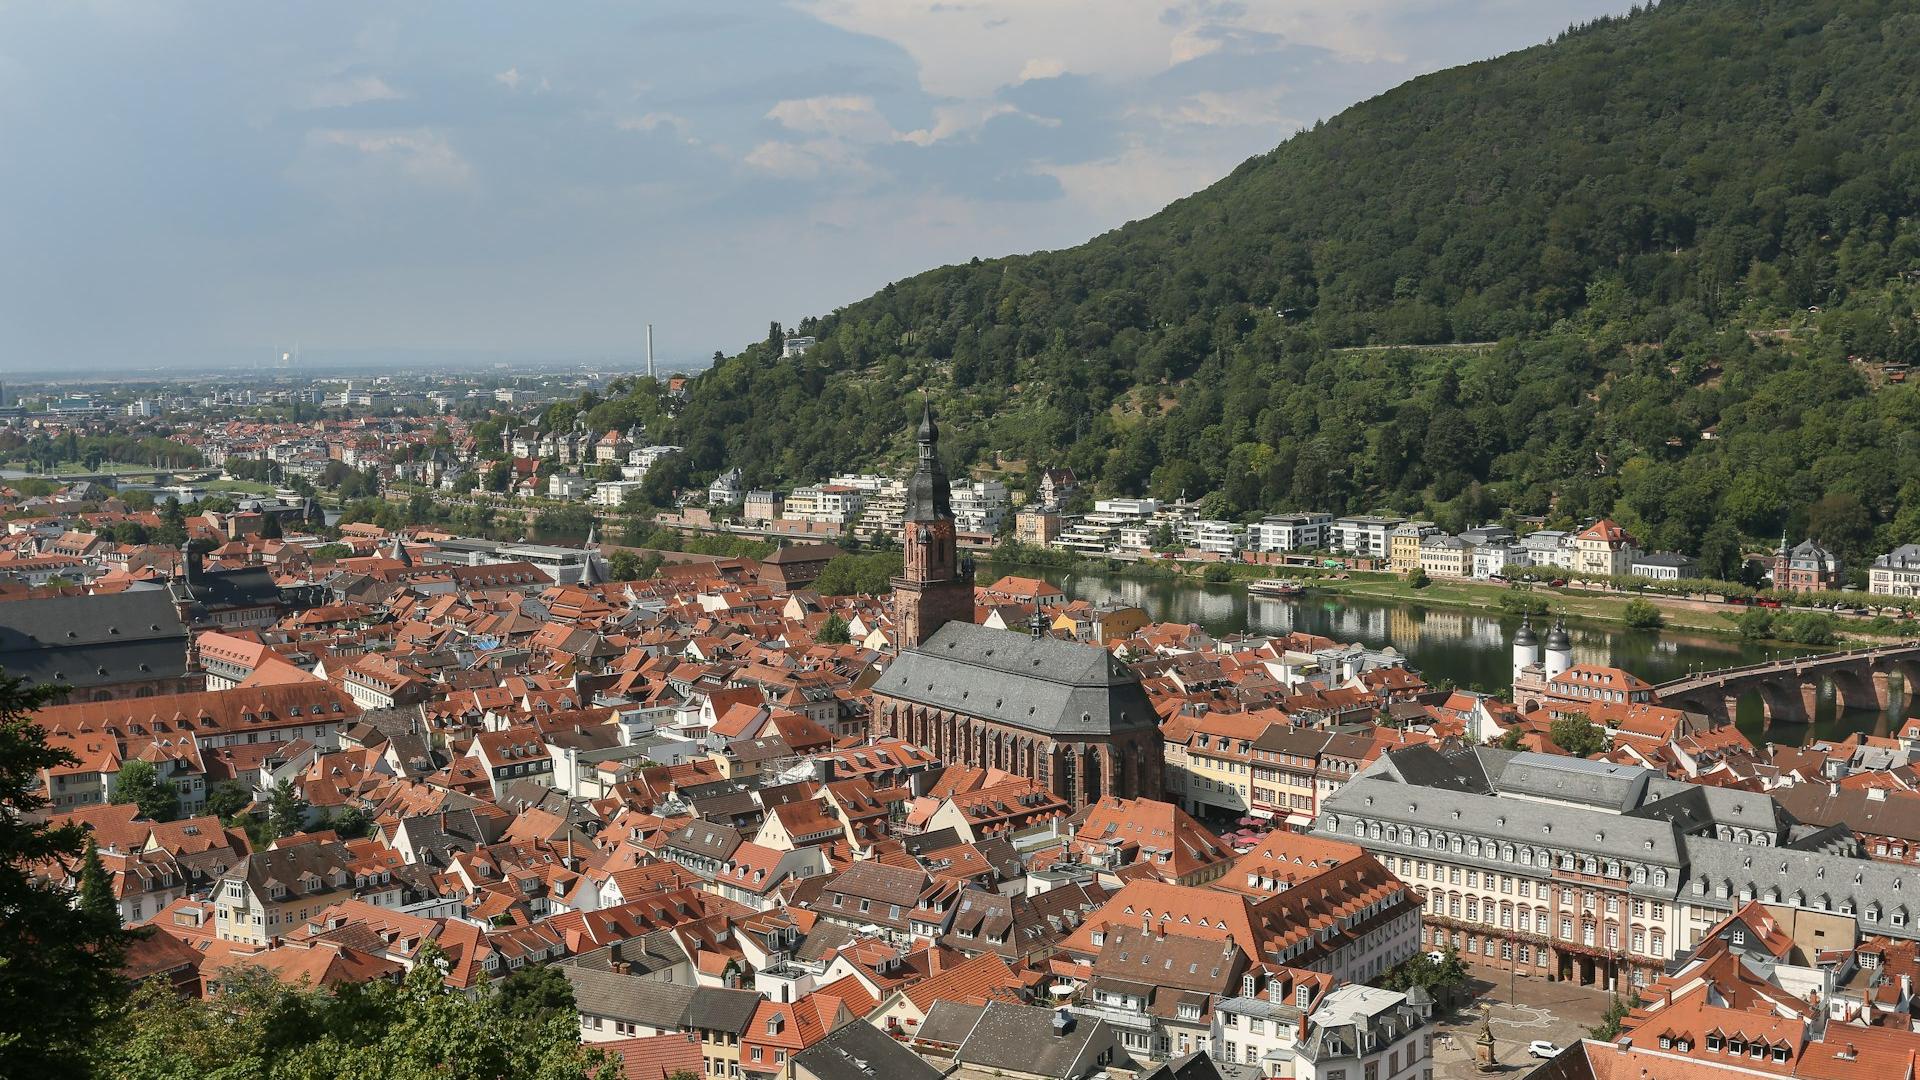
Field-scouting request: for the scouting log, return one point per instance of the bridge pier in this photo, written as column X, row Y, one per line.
column 1730, row 704
column 1810, row 700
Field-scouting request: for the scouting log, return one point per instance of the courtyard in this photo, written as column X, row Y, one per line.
column 1523, row 1010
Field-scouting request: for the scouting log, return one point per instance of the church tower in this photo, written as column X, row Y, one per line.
column 933, row 588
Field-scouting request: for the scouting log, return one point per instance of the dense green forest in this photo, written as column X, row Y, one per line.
column 1659, row 268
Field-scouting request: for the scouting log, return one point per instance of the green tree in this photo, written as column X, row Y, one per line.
column 1511, row 740
column 352, row 824
column 1417, row 578
column 1720, row 552
column 140, row 783
column 96, row 888
column 499, row 475
column 861, row 575
column 1613, row 1021
column 1842, row 523
column 625, row 565
column 418, row 1029
column 1578, row 735
column 228, row 800
column 834, row 631
column 1217, row 573
column 1644, row 615
column 1441, row 976
column 286, row 811
column 59, row 961
column 535, row 994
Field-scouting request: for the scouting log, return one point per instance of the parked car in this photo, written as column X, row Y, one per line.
column 1541, row 1048
column 1558, row 583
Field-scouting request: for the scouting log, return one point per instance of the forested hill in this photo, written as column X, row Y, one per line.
column 1679, row 226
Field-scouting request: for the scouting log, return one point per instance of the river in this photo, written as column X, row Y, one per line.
column 1468, row 648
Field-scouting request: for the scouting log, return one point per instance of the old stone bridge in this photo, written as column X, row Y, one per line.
column 1880, row 679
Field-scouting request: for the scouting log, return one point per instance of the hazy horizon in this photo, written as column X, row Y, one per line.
column 202, row 185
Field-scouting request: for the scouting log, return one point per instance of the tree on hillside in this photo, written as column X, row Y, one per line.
column 140, row 783
column 59, row 962
column 1720, row 552
column 1843, row 524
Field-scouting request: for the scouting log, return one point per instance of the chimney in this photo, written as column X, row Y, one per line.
column 650, row 351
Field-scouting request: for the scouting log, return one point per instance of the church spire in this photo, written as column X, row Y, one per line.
column 929, row 493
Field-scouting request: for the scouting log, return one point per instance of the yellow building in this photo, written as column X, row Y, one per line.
column 1403, row 547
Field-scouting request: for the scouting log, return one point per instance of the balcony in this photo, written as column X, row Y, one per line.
column 1129, row 1019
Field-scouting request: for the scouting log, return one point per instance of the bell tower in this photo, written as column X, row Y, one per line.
column 934, row 588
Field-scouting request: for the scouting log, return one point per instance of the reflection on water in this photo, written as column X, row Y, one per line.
column 1465, row 648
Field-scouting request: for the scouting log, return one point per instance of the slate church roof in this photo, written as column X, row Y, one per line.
column 1060, row 688
column 85, row 641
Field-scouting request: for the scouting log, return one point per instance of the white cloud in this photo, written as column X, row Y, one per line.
column 354, row 91
column 808, row 159
column 971, row 48
column 848, row 116
column 418, row 154
column 1134, row 183
column 510, row 78
column 957, row 119
column 1038, row 68
column 652, row 121
column 1257, row 107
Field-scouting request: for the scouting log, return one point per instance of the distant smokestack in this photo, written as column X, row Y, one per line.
column 650, row 350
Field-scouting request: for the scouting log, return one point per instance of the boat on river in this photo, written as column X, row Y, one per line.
column 1276, row 587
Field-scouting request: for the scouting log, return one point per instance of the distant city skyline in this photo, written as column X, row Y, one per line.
column 195, row 185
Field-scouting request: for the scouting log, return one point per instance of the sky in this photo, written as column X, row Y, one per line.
column 193, row 183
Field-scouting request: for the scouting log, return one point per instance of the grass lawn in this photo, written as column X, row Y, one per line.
column 240, row 487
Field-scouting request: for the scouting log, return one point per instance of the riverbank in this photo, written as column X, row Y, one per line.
column 1578, row 605
column 1487, row 596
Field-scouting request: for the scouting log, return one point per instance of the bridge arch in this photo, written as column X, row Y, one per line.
column 1709, row 703
column 1853, row 689
column 1782, row 702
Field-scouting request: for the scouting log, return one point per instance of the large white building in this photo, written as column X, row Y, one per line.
column 1290, row 532
column 1897, row 573
column 1222, row 538
column 980, row 507
column 1591, row 871
column 1364, row 534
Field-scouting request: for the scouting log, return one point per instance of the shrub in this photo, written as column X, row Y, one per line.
column 1643, row 615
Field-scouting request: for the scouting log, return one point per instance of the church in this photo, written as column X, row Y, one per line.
column 1066, row 715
